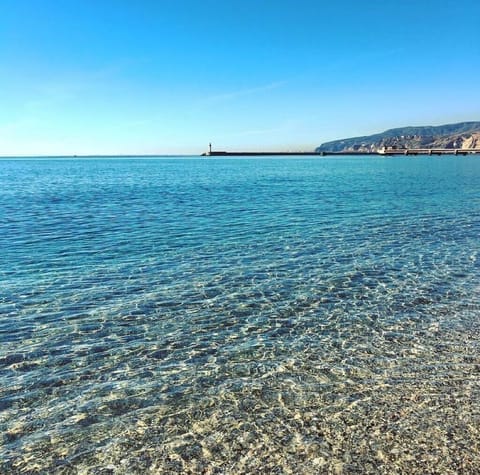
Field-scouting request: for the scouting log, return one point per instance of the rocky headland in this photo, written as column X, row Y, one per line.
column 464, row 135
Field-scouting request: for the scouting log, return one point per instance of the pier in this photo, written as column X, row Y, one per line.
column 428, row 151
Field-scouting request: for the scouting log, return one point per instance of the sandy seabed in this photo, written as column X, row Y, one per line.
column 406, row 404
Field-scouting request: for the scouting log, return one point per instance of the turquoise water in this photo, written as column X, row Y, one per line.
column 187, row 315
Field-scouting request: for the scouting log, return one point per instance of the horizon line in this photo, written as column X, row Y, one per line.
column 105, row 155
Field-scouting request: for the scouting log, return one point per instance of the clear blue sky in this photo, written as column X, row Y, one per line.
column 168, row 76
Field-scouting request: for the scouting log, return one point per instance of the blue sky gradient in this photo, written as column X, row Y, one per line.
column 128, row 77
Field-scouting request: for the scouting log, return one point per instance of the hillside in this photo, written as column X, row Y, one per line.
column 461, row 135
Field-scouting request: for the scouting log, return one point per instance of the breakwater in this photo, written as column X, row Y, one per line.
column 387, row 152
column 276, row 154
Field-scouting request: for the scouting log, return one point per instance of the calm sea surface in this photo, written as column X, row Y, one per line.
column 187, row 315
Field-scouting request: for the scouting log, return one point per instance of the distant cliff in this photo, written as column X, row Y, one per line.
column 462, row 135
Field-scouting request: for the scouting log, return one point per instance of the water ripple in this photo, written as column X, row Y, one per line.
column 240, row 316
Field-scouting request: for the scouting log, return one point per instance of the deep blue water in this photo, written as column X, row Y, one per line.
column 187, row 315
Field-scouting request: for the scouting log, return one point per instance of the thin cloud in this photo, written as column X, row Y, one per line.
column 246, row 133
column 245, row 92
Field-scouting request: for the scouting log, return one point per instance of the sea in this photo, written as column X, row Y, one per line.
column 240, row 315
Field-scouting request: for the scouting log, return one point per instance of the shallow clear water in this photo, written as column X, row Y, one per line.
column 240, row 315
